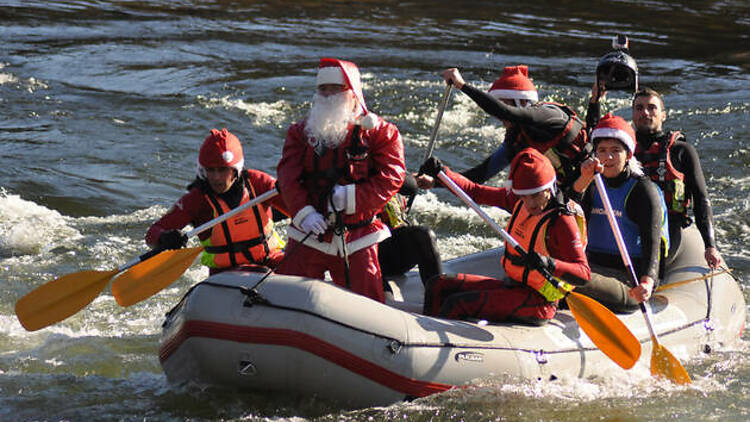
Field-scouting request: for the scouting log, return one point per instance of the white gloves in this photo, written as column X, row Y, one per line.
column 338, row 198
column 314, row 222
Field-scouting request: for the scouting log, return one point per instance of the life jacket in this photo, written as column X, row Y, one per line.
column 604, row 241
column 657, row 164
column 567, row 149
column 394, row 212
column 530, row 231
column 246, row 238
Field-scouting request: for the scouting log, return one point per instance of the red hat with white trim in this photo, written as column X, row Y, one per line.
column 341, row 72
column 531, row 172
column 611, row 126
column 220, row 149
column 514, row 84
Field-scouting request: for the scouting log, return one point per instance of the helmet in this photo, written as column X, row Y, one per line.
column 220, row 149
column 618, row 71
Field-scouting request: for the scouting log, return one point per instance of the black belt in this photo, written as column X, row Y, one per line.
column 236, row 247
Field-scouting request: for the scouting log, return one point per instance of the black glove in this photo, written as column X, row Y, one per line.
column 409, row 188
column 431, row 167
column 537, row 262
column 172, row 239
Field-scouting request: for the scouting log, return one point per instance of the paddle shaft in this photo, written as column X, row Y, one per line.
column 690, row 280
column 433, row 135
column 203, row 227
column 438, row 118
column 623, row 249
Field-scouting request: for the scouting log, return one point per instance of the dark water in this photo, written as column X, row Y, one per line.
column 105, row 103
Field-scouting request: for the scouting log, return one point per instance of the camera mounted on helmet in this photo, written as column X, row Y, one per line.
column 617, row 69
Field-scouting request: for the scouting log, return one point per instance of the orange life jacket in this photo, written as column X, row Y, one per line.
column 246, row 238
column 530, row 231
column 657, row 163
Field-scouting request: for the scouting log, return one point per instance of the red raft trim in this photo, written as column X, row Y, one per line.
column 290, row 338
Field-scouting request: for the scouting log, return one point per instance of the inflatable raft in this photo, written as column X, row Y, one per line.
column 308, row 337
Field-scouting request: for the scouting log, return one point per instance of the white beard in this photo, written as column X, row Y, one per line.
column 329, row 119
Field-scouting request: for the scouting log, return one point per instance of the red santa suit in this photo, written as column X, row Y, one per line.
column 369, row 164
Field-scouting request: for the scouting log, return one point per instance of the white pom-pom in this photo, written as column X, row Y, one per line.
column 368, row 121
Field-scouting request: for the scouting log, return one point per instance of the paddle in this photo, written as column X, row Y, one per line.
column 604, row 329
column 60, row 298
column 148, row 278
column 690, row 280
column 433, row 135
column 663, row 363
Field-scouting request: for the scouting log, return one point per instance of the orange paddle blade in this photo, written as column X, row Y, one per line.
column 605, row 330
column 60, row 298
column 665, row 365
column 152, row 275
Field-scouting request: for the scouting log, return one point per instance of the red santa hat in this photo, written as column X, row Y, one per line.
column 514, row 84
column 220, row 149
column 341, row 72
column 611, row 126
column 531, row 172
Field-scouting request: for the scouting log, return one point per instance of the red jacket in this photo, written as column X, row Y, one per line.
column 193, row 208
column 562, row 237
column 305, row 188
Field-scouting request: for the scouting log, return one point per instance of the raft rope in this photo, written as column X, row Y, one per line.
column 395, row 345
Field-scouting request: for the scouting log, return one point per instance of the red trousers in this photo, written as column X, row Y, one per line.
column 364, row 269
column 473, row 296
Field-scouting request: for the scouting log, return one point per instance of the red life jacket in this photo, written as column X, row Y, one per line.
column 246, row 238
column 530, row 231
column 657, row 164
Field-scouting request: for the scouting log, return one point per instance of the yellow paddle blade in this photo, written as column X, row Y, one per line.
column 605, row 330
column 665, row 365
column 152, row 275
column 60, row 298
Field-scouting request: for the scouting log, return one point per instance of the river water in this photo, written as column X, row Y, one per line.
column 105, row 103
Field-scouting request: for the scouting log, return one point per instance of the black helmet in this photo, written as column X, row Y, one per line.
column 618, row 71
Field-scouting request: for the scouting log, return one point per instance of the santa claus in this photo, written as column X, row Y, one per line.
column 339, row 166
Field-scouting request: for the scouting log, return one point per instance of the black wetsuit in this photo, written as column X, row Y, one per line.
column 609, row 282
column 409, row 245
column 541, row 122
column 685, row 159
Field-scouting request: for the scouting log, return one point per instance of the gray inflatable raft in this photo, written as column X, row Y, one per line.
column 308, row 337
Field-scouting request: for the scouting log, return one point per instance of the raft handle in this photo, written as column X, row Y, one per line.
column 394, row 346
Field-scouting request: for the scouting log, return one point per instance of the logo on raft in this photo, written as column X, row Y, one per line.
column 469, row 357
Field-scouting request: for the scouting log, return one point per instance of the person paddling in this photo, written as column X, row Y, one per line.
column 542, row 222
column 641, row 215
column 246, row 241
column 551, row 128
